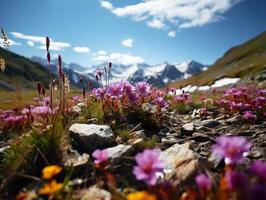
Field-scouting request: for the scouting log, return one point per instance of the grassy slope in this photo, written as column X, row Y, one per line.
column 239, row 61
column 21, row 72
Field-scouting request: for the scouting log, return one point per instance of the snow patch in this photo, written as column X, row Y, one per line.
column 224, row 81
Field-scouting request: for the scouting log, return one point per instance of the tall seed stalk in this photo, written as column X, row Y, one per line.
column 50, row 69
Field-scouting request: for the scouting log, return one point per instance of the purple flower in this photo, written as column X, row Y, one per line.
column 14, row 119
column 46, row 101
column 100, row 156
column 203, row 111
column 259, row 169
column 203, row 182
column 237, row 181
column 185, row 97
column 99, row 92
column 143, row 88
column 249, row 116
column 231, row 148
column 148, row 164
column 76, row 98
column 115, row 90
column 41, row 110
column 161, row 102
column 26, row 110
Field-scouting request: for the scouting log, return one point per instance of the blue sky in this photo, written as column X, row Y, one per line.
column 130, row 31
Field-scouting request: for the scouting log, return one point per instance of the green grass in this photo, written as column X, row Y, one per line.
column 16, row 99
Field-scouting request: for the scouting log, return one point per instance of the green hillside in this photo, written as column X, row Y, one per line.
column 246, row 59
column 21, row 72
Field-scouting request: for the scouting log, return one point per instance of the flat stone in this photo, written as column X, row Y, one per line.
column 233, row 120
column 93, row 193
column 188, row 128
column 116, row 153
column 210, row 123
column 181, row 164
column 199, row 137
column 89, row 137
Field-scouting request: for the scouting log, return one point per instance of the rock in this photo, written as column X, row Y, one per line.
column 93, row 193
column 254, row 154
column 76, row 160
column 92, row 121
column 78, row 108
column 161, row 133
column 139, row 134
column 210, row 123
column 188, row 129
column 116, row 153
column 216, row 161
column 135, row 142
column 181, row 162
column 89, row 137
column 233, row 120
column 199, row 137
column 170, row 140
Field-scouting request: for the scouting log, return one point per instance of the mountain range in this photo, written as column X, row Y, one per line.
column 156, row 75
column 240, row 61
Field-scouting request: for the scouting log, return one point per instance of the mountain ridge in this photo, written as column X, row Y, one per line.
column 244, row 60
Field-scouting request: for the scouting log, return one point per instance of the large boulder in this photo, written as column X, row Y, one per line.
column 181, row 163
column 89, row 137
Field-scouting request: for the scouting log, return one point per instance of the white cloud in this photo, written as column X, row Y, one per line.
column 31, row 43
column 107, row 5
column 101, row 52
column 156, row 23
column 81, row 49
column 177, row 13
column 37, row 39
column 127, row 42
column 172, row 34
column 56, row 46
column 118, row 58
column 11, row 43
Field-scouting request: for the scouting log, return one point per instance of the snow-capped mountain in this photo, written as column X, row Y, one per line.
column 165, row 73
column 72, row 70
column 157, row 75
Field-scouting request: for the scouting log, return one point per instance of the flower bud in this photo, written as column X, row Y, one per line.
column 47, row 43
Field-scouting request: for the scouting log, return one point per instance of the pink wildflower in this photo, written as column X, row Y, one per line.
column 231, row 148
column 148, row 164
column 101, row 156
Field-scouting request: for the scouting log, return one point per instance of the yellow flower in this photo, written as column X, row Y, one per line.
column 50, row 171
column 50, row 188
column 141, row 196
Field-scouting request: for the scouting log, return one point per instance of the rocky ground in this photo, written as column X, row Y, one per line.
column 184, row 136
